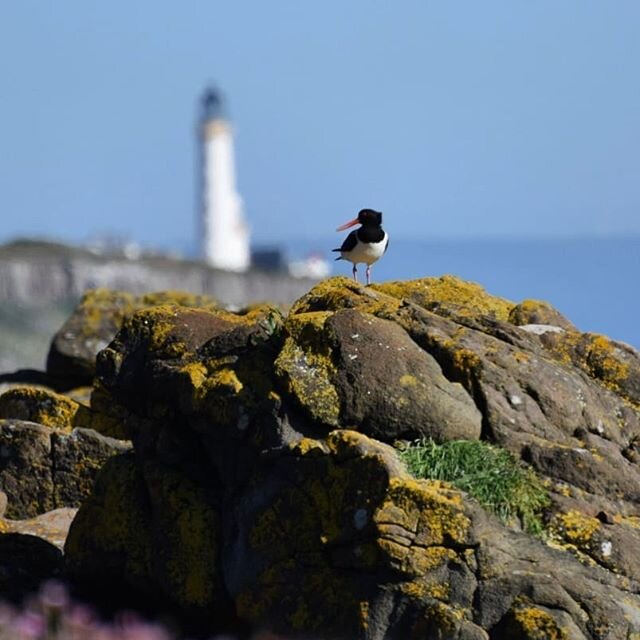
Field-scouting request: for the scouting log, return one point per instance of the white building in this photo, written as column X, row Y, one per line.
column 224, row 239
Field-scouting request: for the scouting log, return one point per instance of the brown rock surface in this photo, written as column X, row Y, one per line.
column 52, row 526
column 353, row 369
column 43, row 469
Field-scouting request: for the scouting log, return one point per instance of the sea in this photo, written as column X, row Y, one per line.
column 595, row 282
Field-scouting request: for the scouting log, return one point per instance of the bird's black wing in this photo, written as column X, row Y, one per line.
column 349, row 242
column 386, row 246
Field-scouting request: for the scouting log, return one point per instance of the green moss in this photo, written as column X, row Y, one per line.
column 490, row 474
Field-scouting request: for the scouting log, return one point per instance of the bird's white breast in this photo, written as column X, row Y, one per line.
column 367, row 252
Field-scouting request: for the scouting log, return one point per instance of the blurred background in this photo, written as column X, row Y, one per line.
column 500, row 140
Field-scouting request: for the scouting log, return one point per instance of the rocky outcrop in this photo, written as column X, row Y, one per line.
column 264, row 489
column 44, row 468
column 93, row 325
column 349, row 368
column 264, row 485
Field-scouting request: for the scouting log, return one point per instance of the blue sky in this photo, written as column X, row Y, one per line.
column 457, row 119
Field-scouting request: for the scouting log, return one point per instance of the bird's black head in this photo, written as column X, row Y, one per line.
column 370, row 217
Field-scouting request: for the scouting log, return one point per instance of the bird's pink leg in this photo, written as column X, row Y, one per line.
column 368, row 274
column 355, row 272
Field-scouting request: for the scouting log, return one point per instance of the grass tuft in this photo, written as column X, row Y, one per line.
column 498, row 481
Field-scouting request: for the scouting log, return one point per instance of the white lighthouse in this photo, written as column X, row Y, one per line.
column 224, row 232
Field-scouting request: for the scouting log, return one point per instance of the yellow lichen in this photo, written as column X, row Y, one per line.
column 605, row 363
column 39, row 405
column 228, row 389
column 536, row 624
column 181, row 298
column 306, row 520
column 107, row 307
column 577, row 528
column 431, row 516
column 415, row 589
column 189, row 534
column 306, row 446
column 410, row 526
column 196, row 373
column 337, row 293
column 440, row 620
column 301, row 617
column 438, row 590
column 632, row 521
column 534, row 312
column 466, row 360
column 305, row 366
column 103, row 306
column 408, row 381
column 113, row 521
column 417, row 561
column 364, row 614
column 467, row 298
column 600, row 358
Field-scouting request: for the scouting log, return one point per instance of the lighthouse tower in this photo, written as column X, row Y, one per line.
column 224, row 233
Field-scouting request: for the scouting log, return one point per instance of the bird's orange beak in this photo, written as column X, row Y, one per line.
column 346, row 225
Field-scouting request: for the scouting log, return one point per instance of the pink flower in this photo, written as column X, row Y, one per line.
column 29, row 626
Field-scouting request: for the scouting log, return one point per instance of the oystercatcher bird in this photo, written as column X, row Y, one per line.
column 366, row 244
